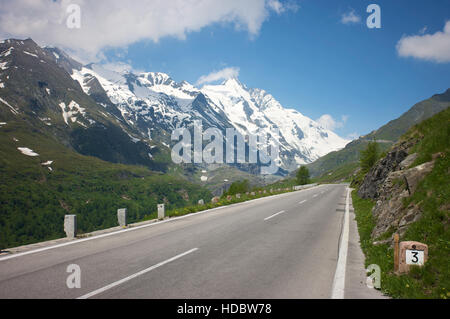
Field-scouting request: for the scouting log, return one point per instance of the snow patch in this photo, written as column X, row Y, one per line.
column 3, row 66
column 70, row 111
column 28, row 152
column 13, row 110
column 7, row 52
column 31, row 54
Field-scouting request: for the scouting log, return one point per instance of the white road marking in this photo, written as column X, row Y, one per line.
column 117, row 283
column 274, row 215
column 338, row 291
column 315, row 195
column 302, row 202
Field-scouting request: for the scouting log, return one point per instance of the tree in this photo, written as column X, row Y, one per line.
column 303, row 176
column 369, row 156
column 239, row 187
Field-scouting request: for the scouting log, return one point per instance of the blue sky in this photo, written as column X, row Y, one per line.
column 309, row 60
column 300, row 51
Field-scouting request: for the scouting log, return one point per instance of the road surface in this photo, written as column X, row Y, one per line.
column 284, row 246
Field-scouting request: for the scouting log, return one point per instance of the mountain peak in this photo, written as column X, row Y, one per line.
column 157, row 78
column 234, row 83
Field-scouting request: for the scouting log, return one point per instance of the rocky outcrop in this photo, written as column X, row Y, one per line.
column 390, row 182
column 389, row 211
column 373, row 181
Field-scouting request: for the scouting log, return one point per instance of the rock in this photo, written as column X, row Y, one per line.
column 408, row 161
column 392, row 162
column 389, row 210
column 378, row 174
column 215, row 200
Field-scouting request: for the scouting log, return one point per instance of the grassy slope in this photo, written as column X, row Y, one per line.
column 432, row 195
column 33, row 200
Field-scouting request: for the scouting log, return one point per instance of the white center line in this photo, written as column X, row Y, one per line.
column 117, row 283
column 302, row 202
column 270, row 217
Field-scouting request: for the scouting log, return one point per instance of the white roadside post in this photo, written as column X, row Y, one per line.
column 70, row 226
column 161, row 211
column 122, row 217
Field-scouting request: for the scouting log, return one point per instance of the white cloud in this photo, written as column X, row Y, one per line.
column 118, row 23
column 329, row 123
column 280, row 8
column 223, row 74
column 350, row 17
column 432, row 47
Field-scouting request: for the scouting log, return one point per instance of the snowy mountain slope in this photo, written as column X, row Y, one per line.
column 301, row 138
column 153, row 101
column 39, row 94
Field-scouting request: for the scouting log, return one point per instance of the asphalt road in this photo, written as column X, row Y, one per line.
column 284, row 246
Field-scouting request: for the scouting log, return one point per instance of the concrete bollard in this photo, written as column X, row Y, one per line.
column 201, row 202
column 161, row 211
column 122, row 217
column 70, row 226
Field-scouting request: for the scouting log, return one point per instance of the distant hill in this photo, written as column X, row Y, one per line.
column 346, row 160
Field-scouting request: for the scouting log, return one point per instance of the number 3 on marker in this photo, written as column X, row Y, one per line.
column 415, row 257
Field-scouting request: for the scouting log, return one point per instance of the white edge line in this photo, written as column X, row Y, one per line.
column 338, row 290
column 119, row 282
column 79, row 241
column 274, row 215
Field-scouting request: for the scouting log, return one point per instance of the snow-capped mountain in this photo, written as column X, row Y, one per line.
column 146, row 100
column 128, row 117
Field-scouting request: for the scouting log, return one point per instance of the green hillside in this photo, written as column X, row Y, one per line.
column 34, row 200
